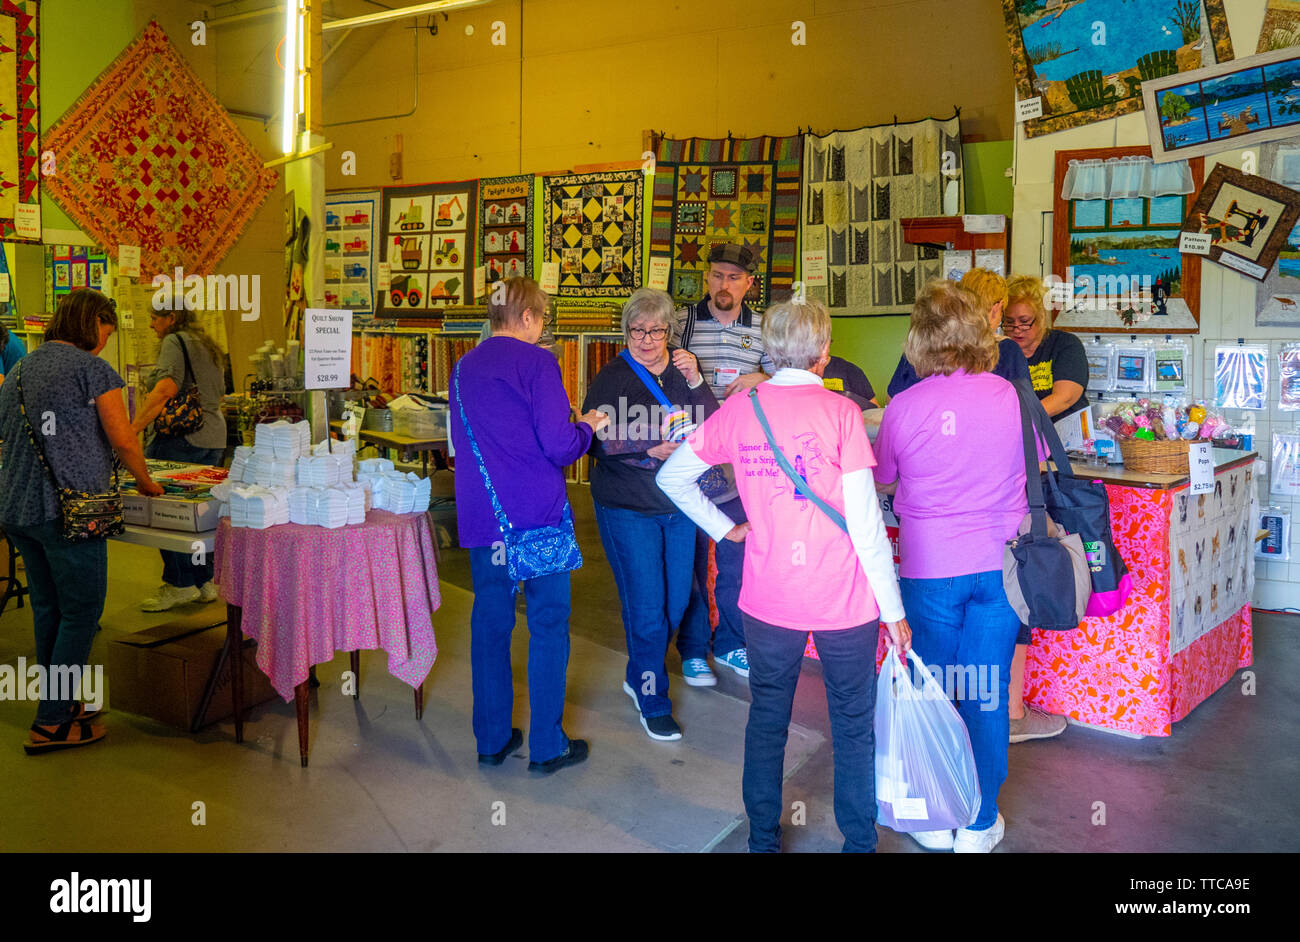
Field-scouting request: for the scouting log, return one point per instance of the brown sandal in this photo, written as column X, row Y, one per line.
column 86, row 713
column 75, row 732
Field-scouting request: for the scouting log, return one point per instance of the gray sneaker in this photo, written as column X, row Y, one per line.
column 1036, row 724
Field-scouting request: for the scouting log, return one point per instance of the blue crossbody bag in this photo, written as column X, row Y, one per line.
column 539, row 551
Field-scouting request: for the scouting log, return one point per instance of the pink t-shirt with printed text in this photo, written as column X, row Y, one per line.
column 800, row 569
column 955, row 446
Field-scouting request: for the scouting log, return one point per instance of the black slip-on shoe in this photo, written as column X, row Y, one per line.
column 577, row 752
column 496, row 758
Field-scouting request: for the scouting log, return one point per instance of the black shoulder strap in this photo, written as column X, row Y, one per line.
column 189, row 370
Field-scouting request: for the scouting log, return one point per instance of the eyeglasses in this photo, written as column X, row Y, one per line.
column 1009, row 325
column 639, row 333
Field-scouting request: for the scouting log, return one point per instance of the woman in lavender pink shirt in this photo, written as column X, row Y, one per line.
column 951, row 446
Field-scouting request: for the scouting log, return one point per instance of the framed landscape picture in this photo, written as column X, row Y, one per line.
column 1248, row 218
column 1087, row 60
column 1223, row 107
column 1116, row 223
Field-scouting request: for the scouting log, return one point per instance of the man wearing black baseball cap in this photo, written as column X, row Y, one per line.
column 725, row 335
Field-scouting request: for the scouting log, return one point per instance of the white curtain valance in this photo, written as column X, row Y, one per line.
column 1125, row 178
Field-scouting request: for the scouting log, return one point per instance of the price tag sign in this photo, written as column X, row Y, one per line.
column 384, row 276
column 660, row 266
column 27, row 220
column 550, row 277
column 480, row 282
column 327, row 345
column 814, row 268
column 4, row 289
column 1201, row 462
column 1028, row 108
column 1194, row 243
column 126, row 319
column 1250, row 269
column 128, row 261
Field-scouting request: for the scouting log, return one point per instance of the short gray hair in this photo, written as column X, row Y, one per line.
column 649, row 301
column 794, row 334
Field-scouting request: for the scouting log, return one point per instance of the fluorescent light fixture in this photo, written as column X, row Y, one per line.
column 289, row 113
column 439, row 6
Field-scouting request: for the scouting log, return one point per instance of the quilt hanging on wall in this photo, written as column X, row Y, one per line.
column 428, row 232
column 592, row 227
column 350, row 252
column 1086, row 60
column 858, row 187
column 1224, row 107
column 1281, row 27
column 505, row 211
column 731, row 190
column 20, row 114
column 148, row 157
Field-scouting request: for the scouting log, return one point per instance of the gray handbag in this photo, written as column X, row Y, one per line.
column 1045, row 575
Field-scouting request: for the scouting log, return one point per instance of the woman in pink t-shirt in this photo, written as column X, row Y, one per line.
column 802, row 572
column 952, row 447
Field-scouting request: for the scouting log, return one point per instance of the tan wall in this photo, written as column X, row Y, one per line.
column 594, row 75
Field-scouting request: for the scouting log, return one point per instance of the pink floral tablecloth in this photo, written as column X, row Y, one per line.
column 307, row 592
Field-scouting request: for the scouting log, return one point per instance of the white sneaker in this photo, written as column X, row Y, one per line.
column 169, row 596
column 932, row 840
column 208, row 592
column 979, row 842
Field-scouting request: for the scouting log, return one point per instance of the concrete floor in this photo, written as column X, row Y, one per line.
column 379, row 780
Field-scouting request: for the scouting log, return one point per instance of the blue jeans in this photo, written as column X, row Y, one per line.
column 966, row 622
column 848, row 660
column 67, row 583
column 652, row 557
column 179, row 569
column 491, row 624
column 693, row 639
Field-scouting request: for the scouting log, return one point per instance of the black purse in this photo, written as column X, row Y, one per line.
column 86, row 516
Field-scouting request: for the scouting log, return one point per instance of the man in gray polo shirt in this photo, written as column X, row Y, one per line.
column 725, row 335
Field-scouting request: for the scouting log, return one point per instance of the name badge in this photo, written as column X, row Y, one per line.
column 725, row 376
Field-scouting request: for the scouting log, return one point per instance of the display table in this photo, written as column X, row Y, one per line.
column 407, row 446
column 306, row 592
column 1186, row 627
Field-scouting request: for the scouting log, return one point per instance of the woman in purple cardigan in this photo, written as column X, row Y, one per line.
column 516, row 406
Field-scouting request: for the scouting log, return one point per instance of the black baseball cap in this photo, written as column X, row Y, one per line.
column 733, row 254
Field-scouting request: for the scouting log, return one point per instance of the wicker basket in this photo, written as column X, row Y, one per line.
column 1155, row 457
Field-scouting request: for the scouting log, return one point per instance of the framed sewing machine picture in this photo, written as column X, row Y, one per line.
column 1116, row 223
column 1249, row 220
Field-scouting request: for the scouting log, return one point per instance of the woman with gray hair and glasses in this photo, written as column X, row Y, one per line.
column 804, row 571
column 654, row 397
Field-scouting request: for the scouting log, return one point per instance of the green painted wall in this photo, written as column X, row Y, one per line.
column 75, row 49
column 876, row 343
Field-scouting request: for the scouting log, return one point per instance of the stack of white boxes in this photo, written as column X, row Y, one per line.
column 283, row 479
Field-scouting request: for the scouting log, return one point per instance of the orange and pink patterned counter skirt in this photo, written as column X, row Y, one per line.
column 1117, row 672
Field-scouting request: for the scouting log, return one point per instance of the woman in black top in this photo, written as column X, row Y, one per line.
column 650, row 544
column 1057, row 365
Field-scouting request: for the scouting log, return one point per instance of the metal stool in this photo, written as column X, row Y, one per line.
column 13, row 589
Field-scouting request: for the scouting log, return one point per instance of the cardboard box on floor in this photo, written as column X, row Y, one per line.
column 163, row 672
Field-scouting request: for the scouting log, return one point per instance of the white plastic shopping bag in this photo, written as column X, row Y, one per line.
column 925, row 768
